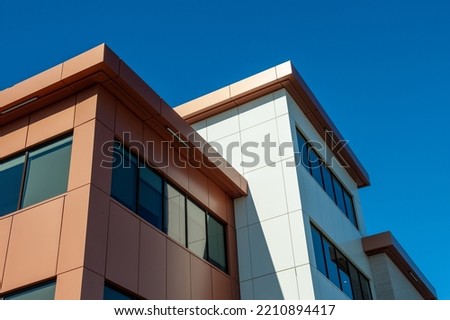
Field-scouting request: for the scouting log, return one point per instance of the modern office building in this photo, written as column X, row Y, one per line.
column 245, row 193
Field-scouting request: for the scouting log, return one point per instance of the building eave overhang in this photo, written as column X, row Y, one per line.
column 101, row 66
column 282, row 76
column 386, row 243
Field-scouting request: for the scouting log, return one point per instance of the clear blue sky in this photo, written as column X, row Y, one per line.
column 380, row 68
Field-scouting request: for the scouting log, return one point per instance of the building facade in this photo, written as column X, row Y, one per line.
column 109, row 193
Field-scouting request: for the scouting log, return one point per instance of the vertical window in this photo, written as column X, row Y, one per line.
column 326, row 179
column 150, row 197
column 349, row 207
column 41, row 292
column 356, row 285
column 145, row 192
column 10, row 183
column 330, row 258
column 196, row 229
column 339, row 194
column 124, row 177
column 315, row 163
column 303, row 149
column 365, row 287
column 175, row 224
column 328, row 182
column 47, row 172
column 344, row 275
column 336, row 267
column 216, row 243
column 318, row 251
column 35, row 176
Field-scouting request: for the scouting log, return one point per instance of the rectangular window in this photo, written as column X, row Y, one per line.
column 303, row 149
column 336, row 267
column 143, row 191
column 150, row 200
column 325, row 178
column 10, row 183
column 356, row 285
column 315, row 163
column 344, row 275
column 318, row 251
column 330, row 259
column 339, row 195
column 328, row 182
column 35, row 176
column 349, row 207
column 196, row 229
column 40, row 292
column 47, row 172
column 124, row 177
column 365, row 287
column 216, row 243
column 175, row 224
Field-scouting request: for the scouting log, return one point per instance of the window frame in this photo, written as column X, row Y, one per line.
column 166, row 182
column 26, row 289
column 334, row 179
column 365, row 295
column 25, row 168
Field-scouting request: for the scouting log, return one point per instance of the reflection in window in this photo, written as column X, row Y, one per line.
column 328, row 182
column 325, row 178
column 318, row 251
column 303, row 148
column 356, row 285
column 365, row 287
column 124, row 177
column 216, row 243
column 35, row 176
column 330, row 258
column 344, row 275
column 40, row 292
column 143, row 191
column 11, row 178
column 47, row 172
column 339, row 194
column 336, row 267
column 151, row 197
column 315, row 164
column 196, row 229
column 176, row 215
column 349, row 207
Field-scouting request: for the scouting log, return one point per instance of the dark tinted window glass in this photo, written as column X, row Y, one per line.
column 41, row 292
column 110, row 293
column 151, row 197
column 339, row 194
column 47, row 172
column 349, row 207
column 328, row 182
column 10, row 180
column 175, row 224
column 315, row 163
column 344, row 274
column 216, row 243
column 124, row 178
column 303, row 149
column 330, row 258
column 196, row 229
column 318, row 251
column 356, row 286
column 365, row 287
